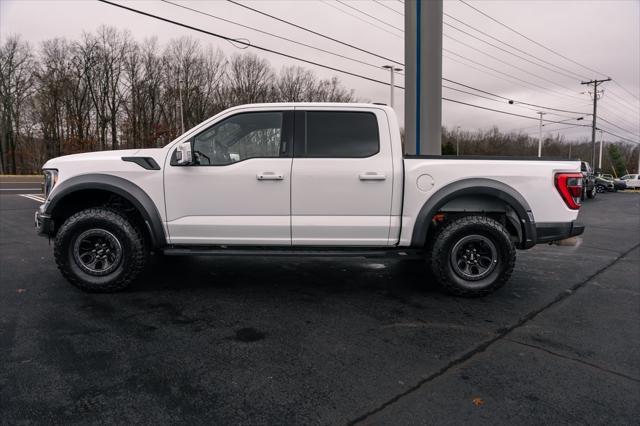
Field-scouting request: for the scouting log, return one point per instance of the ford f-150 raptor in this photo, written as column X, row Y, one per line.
column 306, row 179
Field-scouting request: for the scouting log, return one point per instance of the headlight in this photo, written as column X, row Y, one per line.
column 50, row 180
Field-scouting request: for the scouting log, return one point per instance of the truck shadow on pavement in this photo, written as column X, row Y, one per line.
column 176, row 273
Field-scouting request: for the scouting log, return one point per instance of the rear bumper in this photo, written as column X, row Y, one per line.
column 43, row 222
column 556, row 231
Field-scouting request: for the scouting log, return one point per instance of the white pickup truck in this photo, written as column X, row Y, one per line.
column 310, row 179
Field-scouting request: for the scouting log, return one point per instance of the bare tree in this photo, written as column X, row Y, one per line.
column 16, row 84
column 250, row 79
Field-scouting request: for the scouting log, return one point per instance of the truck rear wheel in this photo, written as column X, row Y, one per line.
column 472, row 256
column 99, row 250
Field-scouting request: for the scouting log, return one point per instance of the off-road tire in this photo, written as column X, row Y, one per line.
column 441, row 254
column 592, row 194
column 130, row 240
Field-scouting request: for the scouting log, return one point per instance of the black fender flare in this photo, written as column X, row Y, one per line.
column 475, row 186
column 122, row 187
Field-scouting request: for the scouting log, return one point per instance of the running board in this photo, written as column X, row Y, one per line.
column 397, row 253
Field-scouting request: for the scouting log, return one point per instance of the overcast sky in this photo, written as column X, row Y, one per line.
column 602, row 35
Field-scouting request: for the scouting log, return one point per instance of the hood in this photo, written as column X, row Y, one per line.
column 100, row 156
column 89, row 156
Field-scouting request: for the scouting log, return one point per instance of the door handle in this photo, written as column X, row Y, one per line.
column 269, row 176
column 371, row 176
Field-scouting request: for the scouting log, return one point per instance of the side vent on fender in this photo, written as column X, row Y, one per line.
column 144, row 162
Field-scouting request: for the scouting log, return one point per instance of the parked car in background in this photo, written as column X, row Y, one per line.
column 588, row 181
column 618, row 184
column 632, row 181
column 604, row 185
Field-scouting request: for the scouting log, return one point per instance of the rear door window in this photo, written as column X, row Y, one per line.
column 339, row 134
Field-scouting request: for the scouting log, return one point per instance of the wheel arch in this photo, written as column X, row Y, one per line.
column 75, row 188
column 477, row 195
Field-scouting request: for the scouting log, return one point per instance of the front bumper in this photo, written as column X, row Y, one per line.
column 556, row 231
column 43, row 222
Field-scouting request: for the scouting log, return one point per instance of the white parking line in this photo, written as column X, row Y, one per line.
column 20, row 189
column 33, row 197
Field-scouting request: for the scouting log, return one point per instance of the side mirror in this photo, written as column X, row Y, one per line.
column 184, row 156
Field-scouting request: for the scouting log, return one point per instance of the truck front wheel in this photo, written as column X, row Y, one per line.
column 99, row 250
column 472, row 256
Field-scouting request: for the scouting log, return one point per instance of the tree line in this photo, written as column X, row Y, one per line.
column 110, row 91
column 617, row 158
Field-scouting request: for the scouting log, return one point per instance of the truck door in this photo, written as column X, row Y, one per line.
column 342, row 178
column 237, row 191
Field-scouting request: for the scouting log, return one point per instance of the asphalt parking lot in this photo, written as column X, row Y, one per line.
column 291, row 341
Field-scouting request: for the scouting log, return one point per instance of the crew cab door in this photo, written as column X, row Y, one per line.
column 237, row 190
column 342, row 178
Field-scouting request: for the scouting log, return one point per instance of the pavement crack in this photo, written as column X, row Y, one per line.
column 502, row 333
column 559, row 355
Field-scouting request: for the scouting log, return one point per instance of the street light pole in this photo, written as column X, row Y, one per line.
column 600, row 155
column 540, row 135
column 181, row 111
column 392, row 70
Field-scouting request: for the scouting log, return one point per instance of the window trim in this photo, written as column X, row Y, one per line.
column 300, row 134
column 287, row 133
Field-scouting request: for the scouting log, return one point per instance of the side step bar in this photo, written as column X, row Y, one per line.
column 405, row 253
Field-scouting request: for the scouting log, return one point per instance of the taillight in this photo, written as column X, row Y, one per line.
column 569, row 185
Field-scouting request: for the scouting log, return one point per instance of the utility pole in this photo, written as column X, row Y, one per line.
column 600, row 155
column 457, row 140
column 595, row 83
column 423, row 76
column 392, row 69
column 540, row 134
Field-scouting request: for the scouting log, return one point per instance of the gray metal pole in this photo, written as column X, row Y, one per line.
column 410, row 91
column 423, row 76
column 593, row 126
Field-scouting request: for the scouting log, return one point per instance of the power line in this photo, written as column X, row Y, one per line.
column 370, row 16
column 507, row 63
column 511, row 102
column 506, row 51
column 271, row 34
column 622, row 119
column 510, row 76
column 362, row 62
column 618, row 127
column 388, row 7
column 361, row 19
column 516, row 48
column 286, row 55
column 507, row 113
column 622, row 102
column 620, row 112
column 620, row 86
column 530, row 39
column 313, row 32
column 619, row 137
column 306, row 61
